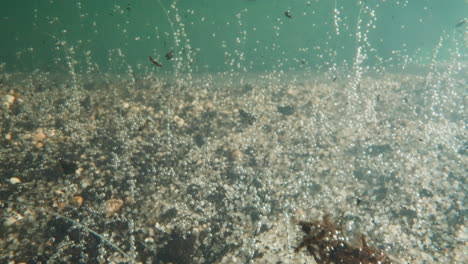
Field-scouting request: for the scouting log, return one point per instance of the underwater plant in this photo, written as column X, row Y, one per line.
column 325, row 241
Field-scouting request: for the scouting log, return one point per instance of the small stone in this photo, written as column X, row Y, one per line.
column 15, row 180
column 27, row 136
column 179, row 121
column 58, row 204
column 130, row 200
column 12, row 218
column 291, row 92
column 300, row 213
column 79, row 171
column 236, row 155
column 199, row 108
column 39, row 135
column 149, row 240
column 8, row 99
column 9, row 221
column 112, row 206
column 209, row 105
column 51, row 133
column 8, row 136
column 76, row 200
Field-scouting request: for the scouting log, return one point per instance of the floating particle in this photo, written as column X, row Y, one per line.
column 155, row 62
column 169, row 55
column 461, row 23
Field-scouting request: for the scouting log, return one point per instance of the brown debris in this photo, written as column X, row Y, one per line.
column 326, row 243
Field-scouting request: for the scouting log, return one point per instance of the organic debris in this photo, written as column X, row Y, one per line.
column 155, row 62
column 326, row 243
column 461, row 23
column 169, row 55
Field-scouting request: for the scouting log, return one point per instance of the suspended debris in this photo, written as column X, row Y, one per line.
column 155, row 62
column 461, row 23
column 169, row 55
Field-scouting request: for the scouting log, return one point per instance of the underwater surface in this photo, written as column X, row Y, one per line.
column 247, row 131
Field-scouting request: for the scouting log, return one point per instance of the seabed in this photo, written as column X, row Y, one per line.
column 219, row 169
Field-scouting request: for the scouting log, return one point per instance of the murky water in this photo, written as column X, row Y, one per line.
column 250, row 116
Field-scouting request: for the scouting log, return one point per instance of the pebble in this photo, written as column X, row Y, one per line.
column 179, row 121
column 39, row 135
column 209, row 105
column 76, row 200
column 8, row 98
column 9, row 221
column 15, row 180
column 79, row 171
column 236, row 155
column 112, row 206
column 7, row 101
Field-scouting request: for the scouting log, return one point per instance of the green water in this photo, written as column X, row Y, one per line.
column 225, row 35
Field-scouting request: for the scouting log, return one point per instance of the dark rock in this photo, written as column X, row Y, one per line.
column 286, row 110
